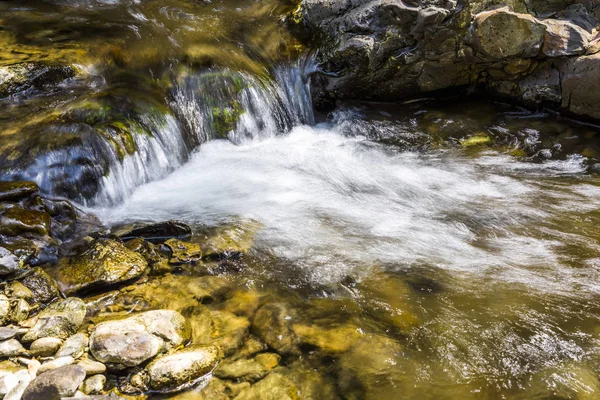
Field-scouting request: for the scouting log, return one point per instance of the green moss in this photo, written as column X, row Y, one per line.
column 478, row 140
column 225, row 119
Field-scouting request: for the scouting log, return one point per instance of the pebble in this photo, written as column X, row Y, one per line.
column 74, row 346
column 45, row 347
column 92, row 367
column 11, row 348
column 93, row 385
column 57, row 363
column 7, row 333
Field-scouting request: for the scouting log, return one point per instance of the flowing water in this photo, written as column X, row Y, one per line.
column 459, row 239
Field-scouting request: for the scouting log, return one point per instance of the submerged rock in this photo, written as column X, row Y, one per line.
column 160, row 232
column 334, row 340
column 249, row 370
column 104, row 262
column 184, row 252
column 131, row 341
column 24, row 76
column 274, row 387
column 273, row 325
column 60, row 382
column 60, row 320
column 183, row 367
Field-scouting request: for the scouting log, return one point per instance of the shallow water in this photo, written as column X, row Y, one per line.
column 483, row 265
column 444, row 269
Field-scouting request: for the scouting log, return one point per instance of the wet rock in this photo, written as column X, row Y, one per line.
column 312, row 383
column 17, row 220
column 372, row 365
column 24, row 76
column 230, row 239
column 103, row 263
column 60, row 319
column 4, row 308
column 248, row 370
column 92, row 367
column 11, row 348
column 45, row 347
column 129, row 342
column 172, row 371
column 334, row 340
column 60, row 382
column 274, row 386
column 228, row 331
column 272, row 324
column 251, row 347
column 17, row 190
column 43, row 287
column 184, row 252
column 160, row 232
column 56, row 363
column 150, row 253
column 74, row 346
column 9, row 263
column 94, row 384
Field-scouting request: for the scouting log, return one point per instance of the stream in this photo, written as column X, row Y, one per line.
column 459, row 237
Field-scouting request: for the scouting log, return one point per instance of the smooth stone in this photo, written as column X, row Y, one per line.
column 11, row 348
column 8, row 332
column 74, row 346
column 60, row 319
column 131, row 341
column 16, row 393
column 45, row 347
column 9, row 263
column 94, row 384
column 335, row 340
column 55, row 364
column 175, row 370
column 60, row 382
column 160, row 232
column 104, row 262
column 92, row 367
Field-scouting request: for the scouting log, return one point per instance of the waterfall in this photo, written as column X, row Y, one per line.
column 209, row 105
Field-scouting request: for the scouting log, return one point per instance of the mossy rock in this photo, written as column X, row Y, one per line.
column 102, row 263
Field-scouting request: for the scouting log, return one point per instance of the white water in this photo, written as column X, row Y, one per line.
column 334, row 205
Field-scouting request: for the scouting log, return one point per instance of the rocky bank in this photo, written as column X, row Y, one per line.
column 538, row 53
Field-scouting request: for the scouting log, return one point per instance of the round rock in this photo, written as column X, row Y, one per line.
column 60, row 382
column 45, row 347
